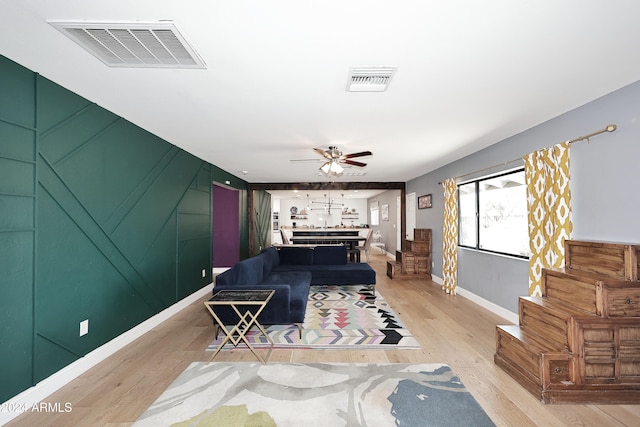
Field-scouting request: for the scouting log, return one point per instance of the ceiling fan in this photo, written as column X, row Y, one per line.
column 334, row 159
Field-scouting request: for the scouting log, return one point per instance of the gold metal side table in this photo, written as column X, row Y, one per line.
column 236, row 300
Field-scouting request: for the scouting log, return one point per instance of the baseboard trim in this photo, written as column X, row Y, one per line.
column 508, row 315
column 64, row 376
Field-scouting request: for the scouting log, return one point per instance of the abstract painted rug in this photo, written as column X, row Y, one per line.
column 320, row 394
column 337, row 317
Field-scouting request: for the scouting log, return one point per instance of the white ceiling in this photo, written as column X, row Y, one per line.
column 469, row 74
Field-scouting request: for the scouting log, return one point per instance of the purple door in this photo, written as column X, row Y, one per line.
column 226, row 226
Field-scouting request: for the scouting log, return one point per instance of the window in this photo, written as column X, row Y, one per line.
column 493, row 214
column 375, row 215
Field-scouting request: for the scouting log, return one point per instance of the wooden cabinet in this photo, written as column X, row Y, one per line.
column 580, row 341
column 414, row 260
column 607, row 350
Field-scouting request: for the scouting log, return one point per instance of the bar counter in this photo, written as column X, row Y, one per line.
column 326, row 231
column 350, row 237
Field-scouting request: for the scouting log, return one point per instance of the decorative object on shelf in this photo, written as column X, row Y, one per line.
column 348, row 213
column 293, row 210
column 424, row 202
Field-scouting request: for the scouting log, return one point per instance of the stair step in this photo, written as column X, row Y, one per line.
column 547, row 320
column 592, row 294
column 534, row 363
column 616, row 260
column 575, row 288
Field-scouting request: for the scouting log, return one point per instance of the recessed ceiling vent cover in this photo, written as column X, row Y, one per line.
column 370, row 79
column 139, row 44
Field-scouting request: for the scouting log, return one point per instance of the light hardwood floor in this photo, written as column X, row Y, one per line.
column 450, row 329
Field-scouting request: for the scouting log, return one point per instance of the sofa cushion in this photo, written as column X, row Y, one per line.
column 289, row 277
column 227, row 277
column 291, row 267
column 299, row 282
column 270, row 259
column 330, row 255
column 353, row 273
column 296, row 256
column 249, row 271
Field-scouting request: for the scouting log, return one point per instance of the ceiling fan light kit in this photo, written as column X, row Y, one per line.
column 332, row 168
column 335, row 160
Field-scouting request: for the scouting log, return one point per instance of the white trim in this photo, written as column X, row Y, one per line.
column 49, row 385
column 495, row 173
column 510, row 316
column 480, row 251
column 225, row 185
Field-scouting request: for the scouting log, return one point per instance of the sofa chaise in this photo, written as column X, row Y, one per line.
column 290, row 271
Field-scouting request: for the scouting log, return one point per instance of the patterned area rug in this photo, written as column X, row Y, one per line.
column 338, row 317
column 321, row 394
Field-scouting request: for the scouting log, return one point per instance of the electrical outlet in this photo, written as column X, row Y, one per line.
column 204, row 272
column 84, row 327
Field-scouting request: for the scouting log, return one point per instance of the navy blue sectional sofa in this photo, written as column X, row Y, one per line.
column 290, row 271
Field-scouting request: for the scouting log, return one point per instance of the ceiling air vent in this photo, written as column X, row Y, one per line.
column 139, row 44
column 370, row 79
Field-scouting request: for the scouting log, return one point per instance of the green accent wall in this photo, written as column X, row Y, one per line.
column 17, row 226
column 99, row 220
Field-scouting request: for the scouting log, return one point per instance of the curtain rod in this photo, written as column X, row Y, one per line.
column 609, row 128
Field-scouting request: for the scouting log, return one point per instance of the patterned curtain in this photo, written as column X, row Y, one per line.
column 549, row 209
column 450, row 237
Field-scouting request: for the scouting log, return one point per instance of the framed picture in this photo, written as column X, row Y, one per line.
column 424, row 202
column 385, row 212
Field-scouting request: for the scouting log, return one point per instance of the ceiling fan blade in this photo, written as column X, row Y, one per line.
column 360, row 154
column 323, row 153
column 354, row 163
column 306, row 160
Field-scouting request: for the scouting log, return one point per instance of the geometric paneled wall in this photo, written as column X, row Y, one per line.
column 17, row 225
column 99, row 220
